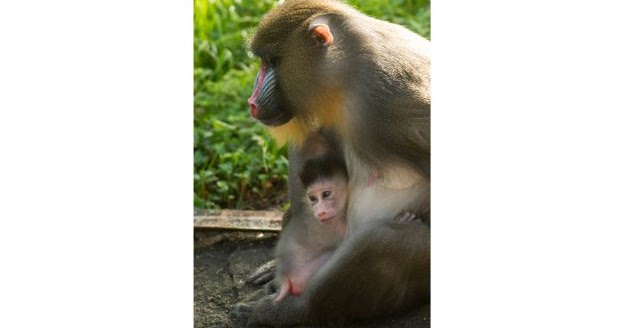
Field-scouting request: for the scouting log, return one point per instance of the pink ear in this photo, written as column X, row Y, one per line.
column 322, row 34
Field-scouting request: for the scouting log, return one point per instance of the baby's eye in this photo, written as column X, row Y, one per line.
column 326, row 194
column 312, row 199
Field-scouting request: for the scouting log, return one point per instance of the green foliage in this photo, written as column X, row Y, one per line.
column 236, row 163
column 413, row 14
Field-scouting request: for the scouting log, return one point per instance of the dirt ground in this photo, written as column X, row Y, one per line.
column 222, row 261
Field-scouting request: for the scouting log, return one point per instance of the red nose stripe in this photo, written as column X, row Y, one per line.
column 253, row 106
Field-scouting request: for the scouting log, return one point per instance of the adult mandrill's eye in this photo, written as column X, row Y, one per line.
column 271, row 61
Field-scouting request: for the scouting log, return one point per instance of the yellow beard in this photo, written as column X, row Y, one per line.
column 329, row 113
column 294, row 131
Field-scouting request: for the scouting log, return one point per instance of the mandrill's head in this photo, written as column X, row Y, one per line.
column 298, row 88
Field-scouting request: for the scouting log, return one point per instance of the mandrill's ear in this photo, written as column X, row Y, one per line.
column 320, row 32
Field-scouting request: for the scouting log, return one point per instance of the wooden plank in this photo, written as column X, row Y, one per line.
column 240, row 220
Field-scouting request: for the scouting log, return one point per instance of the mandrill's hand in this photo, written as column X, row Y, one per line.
column 262, row 275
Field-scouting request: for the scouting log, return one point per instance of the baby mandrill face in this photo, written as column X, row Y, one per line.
column 328, row 199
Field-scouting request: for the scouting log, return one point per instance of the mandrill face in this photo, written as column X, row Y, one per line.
column 267, row 103
column 295, row 80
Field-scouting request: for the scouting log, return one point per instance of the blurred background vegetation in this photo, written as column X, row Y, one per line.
column 236, row 163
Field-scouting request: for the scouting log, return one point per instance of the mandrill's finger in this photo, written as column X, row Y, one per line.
column 262, row 275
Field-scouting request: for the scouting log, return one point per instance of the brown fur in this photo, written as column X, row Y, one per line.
column 368, row 92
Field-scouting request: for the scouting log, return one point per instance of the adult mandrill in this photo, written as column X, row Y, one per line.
column 326, row 66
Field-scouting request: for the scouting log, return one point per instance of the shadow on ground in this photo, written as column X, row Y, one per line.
column 224, row 259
